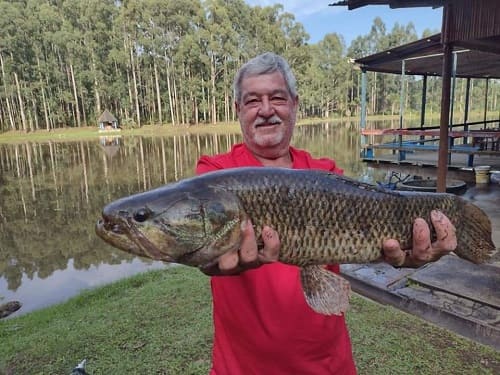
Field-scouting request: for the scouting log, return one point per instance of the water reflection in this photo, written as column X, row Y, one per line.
column 51, row 195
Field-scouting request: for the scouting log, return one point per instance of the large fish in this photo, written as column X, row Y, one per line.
column 321, row 218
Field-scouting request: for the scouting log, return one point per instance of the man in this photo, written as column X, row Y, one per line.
column 261, row 320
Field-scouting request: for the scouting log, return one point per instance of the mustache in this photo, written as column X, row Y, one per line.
column 273, row 120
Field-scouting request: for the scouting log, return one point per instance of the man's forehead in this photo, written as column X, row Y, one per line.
column 276, row 75
column 264, row 83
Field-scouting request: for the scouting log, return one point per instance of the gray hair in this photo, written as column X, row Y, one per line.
column 266, row 63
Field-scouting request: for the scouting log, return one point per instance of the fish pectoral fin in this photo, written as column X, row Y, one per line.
column 325, row 292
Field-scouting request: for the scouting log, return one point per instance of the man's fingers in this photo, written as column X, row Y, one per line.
column 248, row 255
column 421, row 236
column 423, row 251
column 392, row 253
column 445, row 232
column 228, row 262
column 248, row 246
column 271, row 251
column 235, row 261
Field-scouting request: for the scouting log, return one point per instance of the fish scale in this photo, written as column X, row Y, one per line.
column 321, row 218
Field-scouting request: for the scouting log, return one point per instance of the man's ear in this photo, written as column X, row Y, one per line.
column 236, row 107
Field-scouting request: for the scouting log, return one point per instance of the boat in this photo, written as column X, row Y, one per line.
column 430, row 185
column 397, row 181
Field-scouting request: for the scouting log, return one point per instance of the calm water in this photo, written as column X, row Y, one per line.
column 51, row 195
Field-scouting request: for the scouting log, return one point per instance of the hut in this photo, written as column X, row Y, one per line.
column 107, row 121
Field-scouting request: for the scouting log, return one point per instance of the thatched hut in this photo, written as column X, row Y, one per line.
column 107, row 121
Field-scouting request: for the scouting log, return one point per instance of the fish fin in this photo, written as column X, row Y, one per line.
column 325, row 292
column 476, row 243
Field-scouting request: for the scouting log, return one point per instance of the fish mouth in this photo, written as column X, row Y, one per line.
column 126, row 236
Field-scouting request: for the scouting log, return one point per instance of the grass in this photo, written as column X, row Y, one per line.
column 159, row 322
column 76, row 134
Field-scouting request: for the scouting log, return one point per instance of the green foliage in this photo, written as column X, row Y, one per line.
column 160, row 323
column 154, row 62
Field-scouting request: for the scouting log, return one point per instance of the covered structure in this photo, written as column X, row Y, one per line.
column 107, row 121
column 424, row 58
column 473, row 25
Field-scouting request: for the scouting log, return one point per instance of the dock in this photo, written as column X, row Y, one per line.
column 451, row 292
column 419, row 147
column 424, row 164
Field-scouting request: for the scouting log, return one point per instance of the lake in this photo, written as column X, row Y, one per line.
column 51, row 195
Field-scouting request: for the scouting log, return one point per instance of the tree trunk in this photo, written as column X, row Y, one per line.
column 134, row 86
column 212, row 81
column 21, row 103
column 176, row 100
column 170, row 96
column 158, row 96
column 7, row 100
column 75, row 95
column 83, row 109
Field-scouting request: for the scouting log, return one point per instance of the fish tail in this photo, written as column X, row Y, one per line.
column 474, row 235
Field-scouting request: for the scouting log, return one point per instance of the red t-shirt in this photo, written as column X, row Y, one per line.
column 262, row 323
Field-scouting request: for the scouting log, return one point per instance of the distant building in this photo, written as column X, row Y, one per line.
column 107, row 121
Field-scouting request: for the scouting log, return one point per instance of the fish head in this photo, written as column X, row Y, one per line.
column 177, row 223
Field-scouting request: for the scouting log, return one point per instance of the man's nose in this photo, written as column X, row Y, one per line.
column 266, row 107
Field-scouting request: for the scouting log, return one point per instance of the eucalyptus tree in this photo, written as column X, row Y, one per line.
column 328, row 77
column 130, row 19
column 162, row 26
column 14, row 61
column 86, row 38
column 46, row 20
column 183, row 58
column 218, row 43
column 295, row 48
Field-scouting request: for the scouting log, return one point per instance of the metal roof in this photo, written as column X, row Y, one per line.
column 425, row 57
column 354, row 4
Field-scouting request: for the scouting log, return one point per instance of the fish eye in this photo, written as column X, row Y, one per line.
column 141, row 215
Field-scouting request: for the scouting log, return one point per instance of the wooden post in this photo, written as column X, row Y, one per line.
column 445, row 118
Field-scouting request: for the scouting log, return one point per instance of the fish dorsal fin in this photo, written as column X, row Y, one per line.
column 325, row 292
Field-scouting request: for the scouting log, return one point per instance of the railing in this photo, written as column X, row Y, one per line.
column 483, row 141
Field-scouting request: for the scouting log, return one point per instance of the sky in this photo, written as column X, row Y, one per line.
column 320, row 19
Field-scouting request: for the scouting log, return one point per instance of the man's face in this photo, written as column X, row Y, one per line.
column 266, row 112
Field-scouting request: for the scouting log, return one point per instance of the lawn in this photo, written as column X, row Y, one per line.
column 159, row 322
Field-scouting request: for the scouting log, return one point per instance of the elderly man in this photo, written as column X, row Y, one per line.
column 262, row 322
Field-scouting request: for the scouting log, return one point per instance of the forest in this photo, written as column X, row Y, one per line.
column 63, row 62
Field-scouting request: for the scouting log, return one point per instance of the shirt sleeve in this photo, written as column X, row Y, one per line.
column 331, row 166
column 207, row 164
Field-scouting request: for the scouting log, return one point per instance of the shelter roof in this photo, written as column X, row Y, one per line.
column 425, row 57
column 354, row 4
column 470, row 24
column 107, row 117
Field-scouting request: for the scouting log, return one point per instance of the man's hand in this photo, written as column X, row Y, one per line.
column 248, row 255
column 423, row 250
